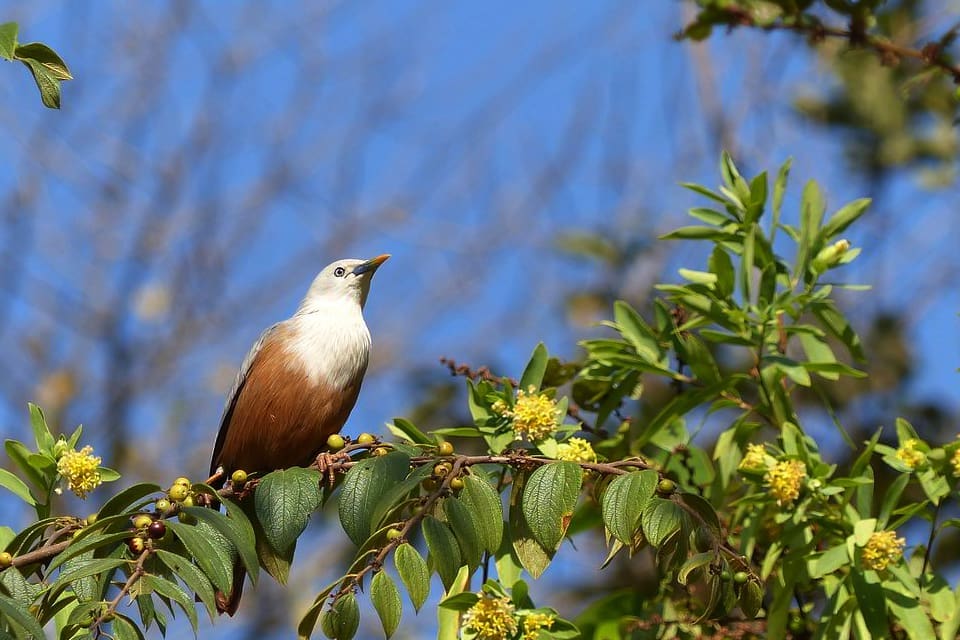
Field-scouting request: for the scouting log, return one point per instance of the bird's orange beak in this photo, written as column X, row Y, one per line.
column 371, row 264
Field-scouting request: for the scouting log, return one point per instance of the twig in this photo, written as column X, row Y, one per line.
column 135, row 575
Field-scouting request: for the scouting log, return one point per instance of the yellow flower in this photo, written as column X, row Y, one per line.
column 79, row 469
column 784, row 479
column 755, row 459
column 533, row 623
column 909, row 455
column 576, row 450
column 534, row 415
column 955, row 462
column 882, row 549
column 491, row 618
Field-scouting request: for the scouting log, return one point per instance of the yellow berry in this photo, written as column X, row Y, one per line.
column 335, row 442
column 142, row 521
column 178, row 492
column 183, row 481
column 445, row 449
column 442, row 469
column 666, row 486
column 429, row 484
column 380, row 451
column 393, row 533
column 187, row 502
column 238, row 477
column 136, row 545
column 5, row 559
column 90, row 519
column 162, row 505
column 456, row 484
column 365, row 438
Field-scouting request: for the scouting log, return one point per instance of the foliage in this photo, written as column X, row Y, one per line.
column 895, row 92
column 46, row 66
column 751, row 531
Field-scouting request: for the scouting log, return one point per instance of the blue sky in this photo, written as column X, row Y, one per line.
column 463, row 138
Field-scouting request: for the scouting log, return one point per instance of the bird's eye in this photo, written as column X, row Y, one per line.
column 339, row 272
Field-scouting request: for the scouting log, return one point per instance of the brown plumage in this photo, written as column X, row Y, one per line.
column 280, row 418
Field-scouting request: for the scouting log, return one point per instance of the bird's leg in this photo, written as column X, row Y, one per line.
column 216, row 476
column 327, row 464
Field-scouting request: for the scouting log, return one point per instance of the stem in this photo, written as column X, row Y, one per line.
column 929, row 549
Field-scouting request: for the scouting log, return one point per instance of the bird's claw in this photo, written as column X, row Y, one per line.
column 327, row 464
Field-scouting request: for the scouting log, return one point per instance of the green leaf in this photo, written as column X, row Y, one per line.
column 533, row 373
column 549, row 500
column 284, row 500
column 465, row 531
column 173, row 591
column 8, row 39
column 83, row 570
column 844, row 217
column 698, row 232
column 779, row 189
column 624, row 500
column 386, row 600
column 48, row 59
column 364, row 486
column 485, row 508
column 722, row 266
column 444, row 552
column 660, row 519
column 698, row 277
column 460, row 601
column 531, row 554
column 695, row 562
column 236, row 529
column 119, row 503
column 88, row 543
column 195, row 580
column 394, row 497
column 21, row 456
column 207, row 554
column 16, row 586
column 413, row 571
column 790, row 368
column 22, row 622
column 406, row 430
column 47, row 83
column 41, row 432
column 16, row 486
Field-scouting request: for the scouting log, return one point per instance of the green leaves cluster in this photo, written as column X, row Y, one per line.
column 749, row 523
column 47, row 68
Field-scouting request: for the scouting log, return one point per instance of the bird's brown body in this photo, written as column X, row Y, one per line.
column 280, row 417
column 297, row 385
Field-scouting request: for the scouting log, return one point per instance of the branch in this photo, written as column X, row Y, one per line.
column 931, row 55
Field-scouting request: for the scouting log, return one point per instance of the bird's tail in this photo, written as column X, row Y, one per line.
column 229, row 602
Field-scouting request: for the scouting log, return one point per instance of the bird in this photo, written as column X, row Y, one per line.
column 297, row 385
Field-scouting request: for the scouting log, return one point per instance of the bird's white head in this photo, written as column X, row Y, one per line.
column 343, row 280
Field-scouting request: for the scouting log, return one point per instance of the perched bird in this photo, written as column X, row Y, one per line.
column 297, row 384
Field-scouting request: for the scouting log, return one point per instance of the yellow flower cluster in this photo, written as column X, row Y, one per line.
column 784, row 480
column 883, row 549
column 576, row 450
column 491, row 618
column 909, row 455
column 79, row 469
column 955, row 462
column 534, row 414
column 755, row 459
column 533, row 623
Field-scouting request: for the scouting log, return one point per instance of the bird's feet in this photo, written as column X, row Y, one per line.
column 328, row 463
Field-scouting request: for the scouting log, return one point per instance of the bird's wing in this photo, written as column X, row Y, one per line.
column 235, row 392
